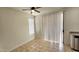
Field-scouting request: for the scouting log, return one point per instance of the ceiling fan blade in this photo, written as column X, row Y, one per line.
column 37, row 7
column 37, row 11
column 25, row 9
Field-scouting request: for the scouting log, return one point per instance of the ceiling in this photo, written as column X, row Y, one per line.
column 43, row 10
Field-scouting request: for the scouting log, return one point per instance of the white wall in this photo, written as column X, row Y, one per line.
column 71, row 22
column 13, row 29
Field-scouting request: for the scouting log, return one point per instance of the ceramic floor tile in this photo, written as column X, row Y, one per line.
column 40, row 45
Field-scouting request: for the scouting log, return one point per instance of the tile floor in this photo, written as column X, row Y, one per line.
column 40, row 45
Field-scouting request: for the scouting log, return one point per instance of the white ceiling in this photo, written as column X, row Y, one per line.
column 42, row 10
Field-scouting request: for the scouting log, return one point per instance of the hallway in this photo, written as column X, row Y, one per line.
column 40, row 45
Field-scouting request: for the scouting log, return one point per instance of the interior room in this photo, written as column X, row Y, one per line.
column 39, row 29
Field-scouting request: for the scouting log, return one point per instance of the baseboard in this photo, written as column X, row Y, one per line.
column 32, row 37
column 52, row 41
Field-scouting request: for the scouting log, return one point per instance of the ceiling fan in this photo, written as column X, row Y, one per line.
column 33, row 9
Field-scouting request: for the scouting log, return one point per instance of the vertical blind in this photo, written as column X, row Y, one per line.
column 50, row 26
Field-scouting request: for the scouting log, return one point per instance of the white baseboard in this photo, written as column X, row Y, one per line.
column 52, row 41
column 30, row 38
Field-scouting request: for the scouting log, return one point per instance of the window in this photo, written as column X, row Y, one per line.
column 31, row 25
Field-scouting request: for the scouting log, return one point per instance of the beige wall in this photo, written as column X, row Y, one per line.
column 71, row 22
column 13, row 29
